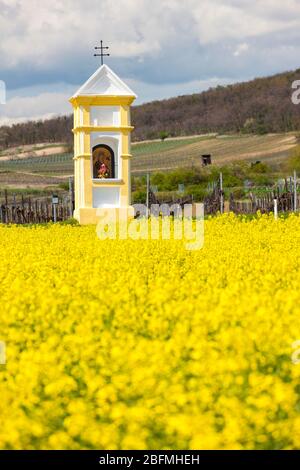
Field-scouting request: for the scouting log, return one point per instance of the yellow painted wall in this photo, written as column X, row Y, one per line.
column 84, row 211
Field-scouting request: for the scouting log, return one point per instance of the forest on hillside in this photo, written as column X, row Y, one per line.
column 259, row 106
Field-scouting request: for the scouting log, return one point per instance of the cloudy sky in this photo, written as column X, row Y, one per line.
column 162, row 48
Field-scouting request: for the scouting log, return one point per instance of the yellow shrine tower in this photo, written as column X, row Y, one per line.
column 101, row 145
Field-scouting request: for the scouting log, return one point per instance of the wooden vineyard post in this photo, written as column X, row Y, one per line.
column 37, row 218
column 295, row 191
column 23, row 208
column 147, row 195
column 29, row 211
column 6, row 206
column 221, row 193
column 71, row 192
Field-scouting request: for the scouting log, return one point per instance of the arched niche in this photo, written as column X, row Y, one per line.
column 103, row 158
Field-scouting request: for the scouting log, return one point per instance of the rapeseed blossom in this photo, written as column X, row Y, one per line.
column 125, row 344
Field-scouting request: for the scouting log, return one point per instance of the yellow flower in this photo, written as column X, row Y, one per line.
column 150, row 345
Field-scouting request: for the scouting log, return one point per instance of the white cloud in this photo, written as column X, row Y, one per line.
column 46, row 105
column 167, row 46
column 150, row 92
column 241, row 48
column 44, row 33
column 220, row 20
column 43, row 106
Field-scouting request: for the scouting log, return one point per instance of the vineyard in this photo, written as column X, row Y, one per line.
column 50, row 173
column 58, row 163
column 153, row 156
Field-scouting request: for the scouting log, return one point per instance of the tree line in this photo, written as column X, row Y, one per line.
column 260, row 106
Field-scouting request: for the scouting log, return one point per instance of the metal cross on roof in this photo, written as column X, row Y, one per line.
column 102, row 54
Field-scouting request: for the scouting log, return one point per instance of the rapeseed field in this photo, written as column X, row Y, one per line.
column 142, row 344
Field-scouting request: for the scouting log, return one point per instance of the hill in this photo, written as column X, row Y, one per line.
column 225, row 149
column 47, row 165
column 259, row 106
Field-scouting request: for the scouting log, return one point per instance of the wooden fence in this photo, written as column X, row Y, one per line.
column 287, row 196
column 264, row 204
column 28, row 211
column 215, row 201
column 181, row 201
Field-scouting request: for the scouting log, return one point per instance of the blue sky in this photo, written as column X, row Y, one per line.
column 162, row 48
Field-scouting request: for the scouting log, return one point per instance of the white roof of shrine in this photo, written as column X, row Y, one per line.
column 106, row 83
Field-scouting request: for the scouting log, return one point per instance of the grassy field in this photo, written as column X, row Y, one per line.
column 224, row 149
column 49, row 169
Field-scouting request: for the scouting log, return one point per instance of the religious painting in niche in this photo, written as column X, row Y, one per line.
column 103, row 162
